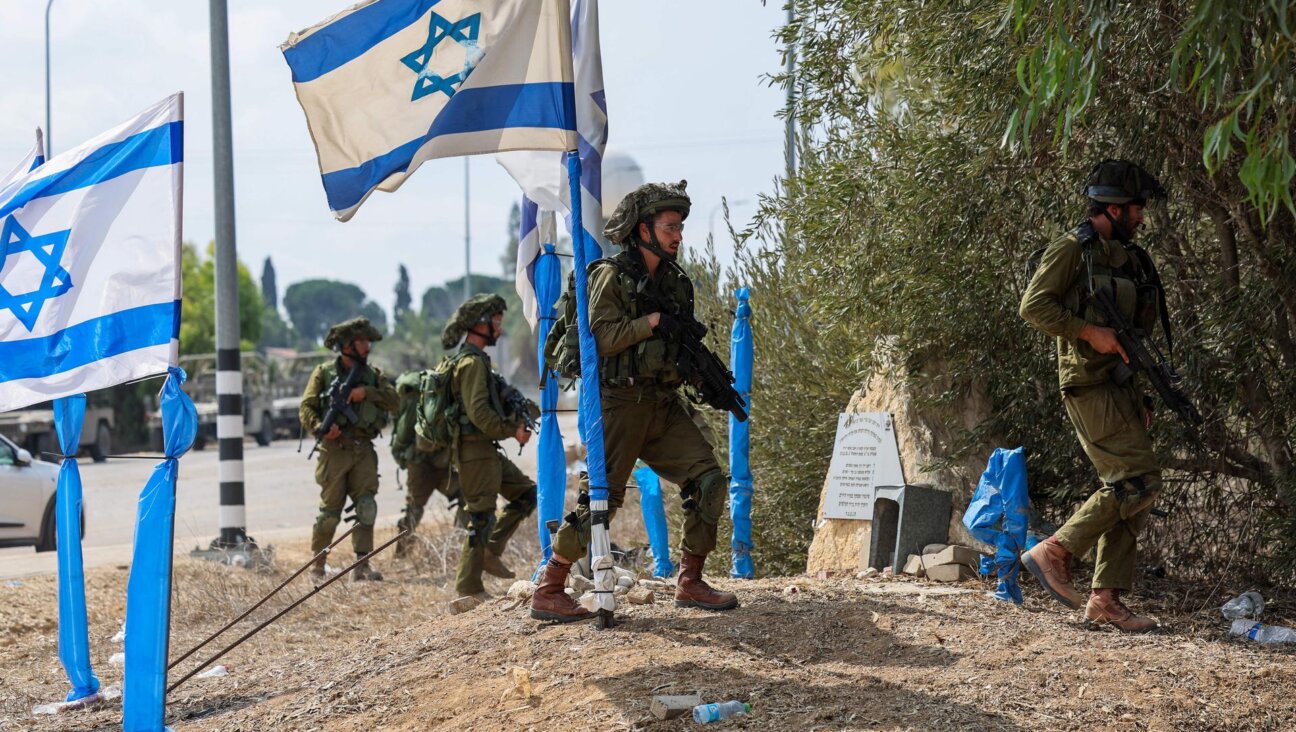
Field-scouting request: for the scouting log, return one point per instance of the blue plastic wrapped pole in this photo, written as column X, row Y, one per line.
column 740, row 484
column 148, row 591
column 654, row 516
column 591, row 402
column 551, row 471
column 73, row 631
column 998, row 515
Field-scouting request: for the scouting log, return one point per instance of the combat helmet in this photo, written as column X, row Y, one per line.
column 642, row 203
column 1120, row 182
column 348, row 331
column 476, row 309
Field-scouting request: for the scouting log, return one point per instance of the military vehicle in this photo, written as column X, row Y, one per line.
column 32, row 428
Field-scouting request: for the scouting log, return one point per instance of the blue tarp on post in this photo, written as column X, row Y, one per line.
column 73, row 632
column 551, row 470
column 654, row 516
column 148, row 591
column 998, row 515
column 740, row 484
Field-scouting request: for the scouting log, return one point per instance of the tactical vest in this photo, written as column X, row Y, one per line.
column 372, row 419
column 1125, row 270
column 649, row 360
column 466, row 426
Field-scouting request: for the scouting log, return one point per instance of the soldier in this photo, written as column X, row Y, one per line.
column 643, row 412
column 348, row 464
column 1110, row 419
column 426, row 472
column 484, row 471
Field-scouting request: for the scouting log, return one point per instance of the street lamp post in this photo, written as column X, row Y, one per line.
column 49, row 135
column 716, row 209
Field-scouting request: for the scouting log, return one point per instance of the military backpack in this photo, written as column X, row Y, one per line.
column 436, row 423
column 403, row 434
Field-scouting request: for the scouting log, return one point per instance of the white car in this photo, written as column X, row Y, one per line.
column 27, row 489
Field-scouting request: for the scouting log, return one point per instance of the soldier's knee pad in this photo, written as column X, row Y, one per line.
column 366, row 511
column 328, row 520
column 524, row 504
column 706, row 495
column 480, row 526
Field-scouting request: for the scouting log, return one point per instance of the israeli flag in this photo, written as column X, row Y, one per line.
column 388, row 84
column 34, row 160
column 537, row 229
column 90, row 263
column 543, row 175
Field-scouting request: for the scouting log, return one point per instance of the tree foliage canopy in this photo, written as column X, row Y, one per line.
column 942, row 143
column 198, row 304
column 316, row 305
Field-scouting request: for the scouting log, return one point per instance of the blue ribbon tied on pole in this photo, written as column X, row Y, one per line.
column 148, row 591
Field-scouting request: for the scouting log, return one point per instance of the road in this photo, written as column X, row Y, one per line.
column 280, row 491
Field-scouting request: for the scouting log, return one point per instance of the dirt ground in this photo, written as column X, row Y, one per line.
column 809, row 654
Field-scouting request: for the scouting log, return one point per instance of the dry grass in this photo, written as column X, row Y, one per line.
column 837, row 654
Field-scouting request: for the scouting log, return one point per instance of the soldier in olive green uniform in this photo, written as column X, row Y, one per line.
column 348, row 465
column 484, row 471
column 425, row 472
column 1111, row 419
column 631, row 298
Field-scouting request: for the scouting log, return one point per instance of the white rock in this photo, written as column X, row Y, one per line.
column 579, row 583
column 463, row 604
column 522, row 589
column 641, row 596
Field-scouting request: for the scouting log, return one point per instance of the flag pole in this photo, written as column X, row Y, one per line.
column 467, row 237
column 591, row 422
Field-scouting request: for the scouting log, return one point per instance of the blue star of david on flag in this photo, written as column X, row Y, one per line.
column 464, row 32
column 48, row 250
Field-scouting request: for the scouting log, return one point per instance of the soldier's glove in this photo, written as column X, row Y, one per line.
column 668, row 326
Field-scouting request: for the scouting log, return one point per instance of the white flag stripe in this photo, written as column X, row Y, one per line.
column 90, row 280
column 137, row 364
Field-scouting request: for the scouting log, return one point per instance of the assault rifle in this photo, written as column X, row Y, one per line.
column 515, row 404
column 339, row 404
column 1144, row 355
column 701, row 369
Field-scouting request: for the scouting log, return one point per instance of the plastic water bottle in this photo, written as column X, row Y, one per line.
column 1258, row 632
column 707, row 713
column 1246, row 605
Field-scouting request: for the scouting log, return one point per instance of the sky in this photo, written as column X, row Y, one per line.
column 686, row 90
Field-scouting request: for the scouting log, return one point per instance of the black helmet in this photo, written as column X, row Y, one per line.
column 1120, row 181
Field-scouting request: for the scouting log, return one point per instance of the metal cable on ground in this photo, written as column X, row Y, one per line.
column 262, row 601
column 283, row 612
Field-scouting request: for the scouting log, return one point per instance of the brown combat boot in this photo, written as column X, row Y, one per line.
column 1105, row 606
column 317, row 568
column 1050, row 563
column 366, row 573
column 494, row 565
column 693, row 591
column 550, row 602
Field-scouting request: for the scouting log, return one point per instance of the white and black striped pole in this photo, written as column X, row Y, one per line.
column 229, row 374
